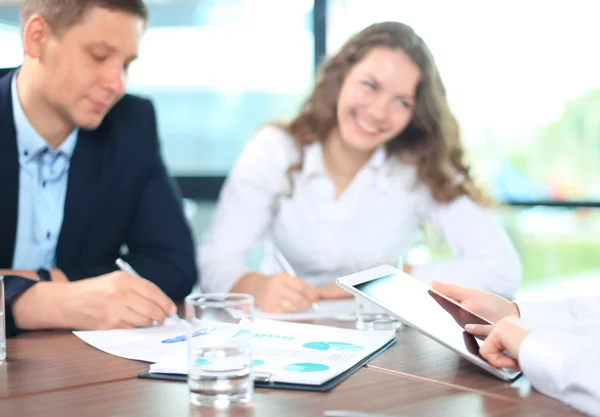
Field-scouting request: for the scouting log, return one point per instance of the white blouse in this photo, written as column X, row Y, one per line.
column 561, row 357
column 374, row 221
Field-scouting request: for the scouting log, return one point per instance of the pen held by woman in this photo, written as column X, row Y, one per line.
column 290, row 271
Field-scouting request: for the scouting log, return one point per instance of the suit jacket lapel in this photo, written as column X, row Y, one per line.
column 85, row 178
column 9, row 167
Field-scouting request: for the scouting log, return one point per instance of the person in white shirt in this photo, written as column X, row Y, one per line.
column 555, row 343
column 374, row 152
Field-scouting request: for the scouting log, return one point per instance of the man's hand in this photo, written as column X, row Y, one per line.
column 110, row 301
column 503, row 339
column 484, row 304
column 280, row 293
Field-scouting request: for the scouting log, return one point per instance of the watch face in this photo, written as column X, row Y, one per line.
column 44, row 274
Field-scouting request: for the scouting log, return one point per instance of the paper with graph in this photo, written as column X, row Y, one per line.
column 289, row 352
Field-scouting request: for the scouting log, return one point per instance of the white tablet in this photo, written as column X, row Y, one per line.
column 429, row 312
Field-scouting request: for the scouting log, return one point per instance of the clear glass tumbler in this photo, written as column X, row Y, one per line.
column 220, row 349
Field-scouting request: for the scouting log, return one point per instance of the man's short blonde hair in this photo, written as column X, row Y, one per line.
column 61, row 15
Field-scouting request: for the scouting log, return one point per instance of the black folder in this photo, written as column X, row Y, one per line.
column 267, row 383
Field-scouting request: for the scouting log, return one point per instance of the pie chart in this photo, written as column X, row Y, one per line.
column 306, row 367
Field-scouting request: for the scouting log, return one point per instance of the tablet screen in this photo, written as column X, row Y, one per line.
column 418, row 305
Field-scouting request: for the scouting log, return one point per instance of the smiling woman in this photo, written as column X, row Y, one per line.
column 387, row 70
column 373, row 152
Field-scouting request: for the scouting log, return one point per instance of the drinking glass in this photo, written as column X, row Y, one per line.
column 220, row 349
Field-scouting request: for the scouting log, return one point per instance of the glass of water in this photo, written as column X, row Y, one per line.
column 2, row 323
column 220, row 349
column 369, row 316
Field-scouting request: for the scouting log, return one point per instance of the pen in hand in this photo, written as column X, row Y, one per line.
column 290, row 271
column 124, row 266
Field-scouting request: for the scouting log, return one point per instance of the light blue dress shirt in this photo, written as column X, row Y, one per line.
column 43, row 176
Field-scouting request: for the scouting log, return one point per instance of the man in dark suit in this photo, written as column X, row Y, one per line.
column 83, row 182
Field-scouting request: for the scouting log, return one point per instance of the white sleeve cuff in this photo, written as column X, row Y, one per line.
column 542, row 358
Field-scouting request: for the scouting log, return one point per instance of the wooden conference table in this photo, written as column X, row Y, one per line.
column 55, row 374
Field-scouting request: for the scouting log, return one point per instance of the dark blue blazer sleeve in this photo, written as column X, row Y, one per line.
column 160, row 250
column 161, row 246
column 13, row 287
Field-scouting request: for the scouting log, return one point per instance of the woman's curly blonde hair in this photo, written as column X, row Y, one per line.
column 431, row 141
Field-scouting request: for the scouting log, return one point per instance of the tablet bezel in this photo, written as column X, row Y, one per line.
column 349, row 281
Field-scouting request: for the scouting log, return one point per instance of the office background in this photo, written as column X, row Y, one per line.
column 522, row 78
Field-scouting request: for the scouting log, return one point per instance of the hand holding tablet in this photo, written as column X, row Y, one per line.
column 428, row 311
